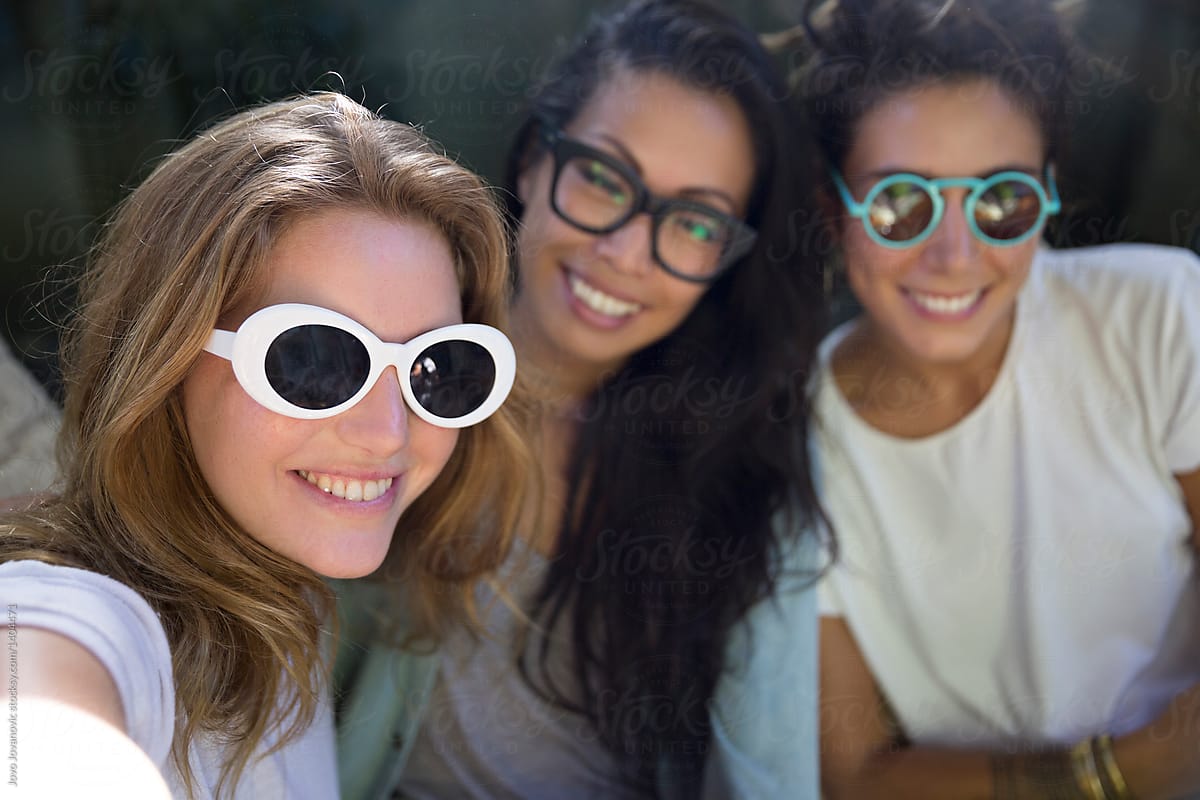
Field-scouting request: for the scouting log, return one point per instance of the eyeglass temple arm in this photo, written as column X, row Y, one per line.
column 855, row 208
column 547, row 132
column 1054, row 203
column 220, row 343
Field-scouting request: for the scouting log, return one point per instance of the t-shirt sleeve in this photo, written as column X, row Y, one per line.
column 1180, row 354
column 764, row 712
column 28, row 426
column 828, row 602
column 119, row 628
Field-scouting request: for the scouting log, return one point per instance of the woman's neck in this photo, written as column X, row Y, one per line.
column 559, row 387
column 909, row 397
column 558, row 383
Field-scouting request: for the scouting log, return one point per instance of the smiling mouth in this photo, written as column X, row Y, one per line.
column 599, row 301
column 945, row 304
column 351, row 489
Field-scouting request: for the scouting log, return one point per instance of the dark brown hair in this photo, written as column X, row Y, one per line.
column 699, row 479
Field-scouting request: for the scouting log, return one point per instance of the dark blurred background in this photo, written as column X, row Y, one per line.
column 93, row 91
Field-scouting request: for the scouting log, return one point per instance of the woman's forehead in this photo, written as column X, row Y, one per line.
column 946, row 129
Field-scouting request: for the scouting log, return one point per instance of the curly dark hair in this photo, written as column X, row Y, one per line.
column 861, row 51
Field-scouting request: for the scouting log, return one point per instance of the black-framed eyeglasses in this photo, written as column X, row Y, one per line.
column 598, row 193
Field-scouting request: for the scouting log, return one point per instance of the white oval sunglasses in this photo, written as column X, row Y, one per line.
column 309, row 362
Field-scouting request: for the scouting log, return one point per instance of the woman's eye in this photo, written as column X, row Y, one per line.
column 605, row 179
column 699, row 229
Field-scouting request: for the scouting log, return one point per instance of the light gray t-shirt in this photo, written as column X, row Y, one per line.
column 122, row 631
column 487, row 734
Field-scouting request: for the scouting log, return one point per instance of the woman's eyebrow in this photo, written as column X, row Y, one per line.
column 622, row 151
column 627, row 156
column 884, row 172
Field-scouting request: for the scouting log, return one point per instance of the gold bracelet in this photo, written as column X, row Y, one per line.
column 1102, row 750
column 1087, row 776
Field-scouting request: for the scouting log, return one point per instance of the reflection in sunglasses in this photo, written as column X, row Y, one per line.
column 1003, row 209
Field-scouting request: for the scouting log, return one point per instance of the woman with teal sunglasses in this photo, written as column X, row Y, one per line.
column 1009, row 436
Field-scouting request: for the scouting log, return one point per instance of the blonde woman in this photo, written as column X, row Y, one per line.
column 287, row 339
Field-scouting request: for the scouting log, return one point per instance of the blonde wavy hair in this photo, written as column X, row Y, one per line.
column 185, row 248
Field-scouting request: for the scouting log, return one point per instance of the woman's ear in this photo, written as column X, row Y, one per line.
column 524, row 184
column 528, row 171
column 832, row 212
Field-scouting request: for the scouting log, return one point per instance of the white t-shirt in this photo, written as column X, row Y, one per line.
column 1027, row 574
column 124, row 634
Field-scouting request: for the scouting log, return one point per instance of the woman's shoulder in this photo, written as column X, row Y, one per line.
column 53, row 596
column 1111, row 272
column 1123, row 253
column 1127, row 295
column 39, row 587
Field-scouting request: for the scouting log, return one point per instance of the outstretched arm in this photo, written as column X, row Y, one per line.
column 67, row 734
column 56, row 667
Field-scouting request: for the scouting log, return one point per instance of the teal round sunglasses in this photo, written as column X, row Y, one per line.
column 903, row 209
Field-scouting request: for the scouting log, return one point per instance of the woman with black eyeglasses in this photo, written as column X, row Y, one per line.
column 666, row 323
column 1009, row 435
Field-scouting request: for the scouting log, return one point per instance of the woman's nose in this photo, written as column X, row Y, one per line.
column 379, row 422
column 953, row 244
column 629, row 249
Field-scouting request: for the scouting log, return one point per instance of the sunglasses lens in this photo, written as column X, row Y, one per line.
column 901, row 211
column 317, row 366
column 453, row 378
column 1008, row 209
column 592, row 194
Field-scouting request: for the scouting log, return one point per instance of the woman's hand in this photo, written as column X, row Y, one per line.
column 1163, row 758
column 863, row 756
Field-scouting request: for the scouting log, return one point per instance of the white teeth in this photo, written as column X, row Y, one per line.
column 946, row 305
column 598, row 301
column 350, row 489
